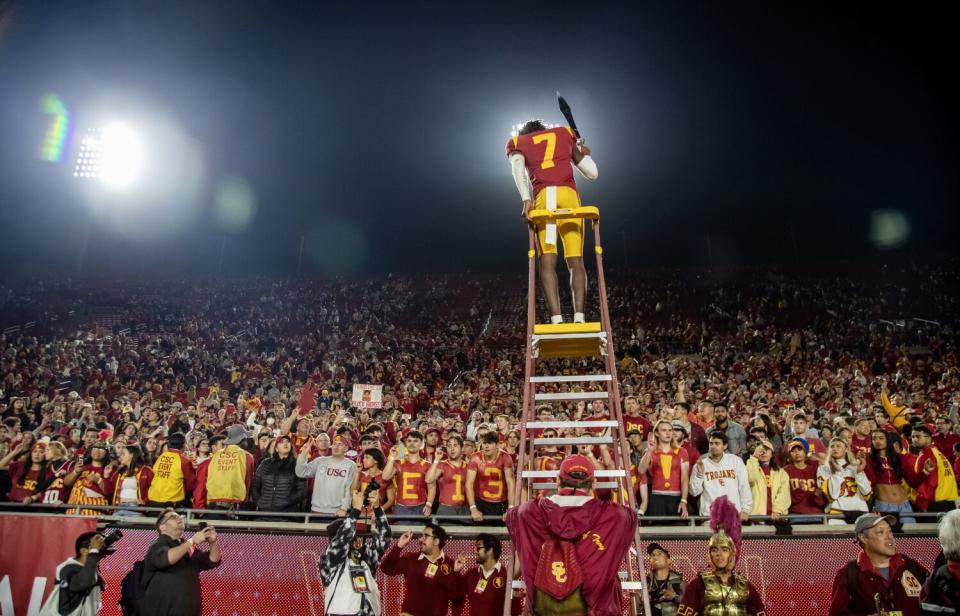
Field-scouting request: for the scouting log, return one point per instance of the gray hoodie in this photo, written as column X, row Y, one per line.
column 331, row 486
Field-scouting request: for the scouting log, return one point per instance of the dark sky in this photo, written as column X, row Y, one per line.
column 376, row 131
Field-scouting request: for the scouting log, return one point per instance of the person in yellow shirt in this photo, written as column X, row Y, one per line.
column 224, row 480
column 173, row 475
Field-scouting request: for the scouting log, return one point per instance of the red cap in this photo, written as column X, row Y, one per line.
column 576, row 464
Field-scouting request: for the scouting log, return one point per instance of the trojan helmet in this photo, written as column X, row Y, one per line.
column 726, row 526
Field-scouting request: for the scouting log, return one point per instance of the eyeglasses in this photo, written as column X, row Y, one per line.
column 172, row 516
column 426, row 536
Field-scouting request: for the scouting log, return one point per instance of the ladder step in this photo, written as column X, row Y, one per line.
column 599, row 485
column 616, row 472
column 573, row 395
column 543, row 425
column 592, row 327
column 567, row 378
column 569, row 345
column 575, row 440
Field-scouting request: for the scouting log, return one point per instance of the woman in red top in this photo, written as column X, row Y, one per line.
column 89, row 480
column 128, row 486
column 58, row 466
column 25, row 474
column 884, row 469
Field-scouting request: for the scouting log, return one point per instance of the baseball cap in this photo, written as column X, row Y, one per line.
column 869, row 520
column 656, row 546
column 576, row 464
column 799, row 442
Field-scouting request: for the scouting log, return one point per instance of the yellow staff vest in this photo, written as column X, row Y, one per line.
column 226, row 473
column 167, row 484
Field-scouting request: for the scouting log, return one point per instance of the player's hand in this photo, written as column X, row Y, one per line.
column 584, row 149
column 476, row 515
column 404, row 539
column 527, row 206
column 682, row 510
column 460, row 564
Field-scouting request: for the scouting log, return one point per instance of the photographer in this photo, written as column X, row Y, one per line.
column 172, row 566
column 348, row 566
column 79, row 585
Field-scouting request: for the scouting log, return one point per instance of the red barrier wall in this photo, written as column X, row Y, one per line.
column 276, row 575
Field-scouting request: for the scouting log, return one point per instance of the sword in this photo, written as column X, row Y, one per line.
column 568, row 114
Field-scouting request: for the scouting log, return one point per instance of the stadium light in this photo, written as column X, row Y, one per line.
column 113, row 154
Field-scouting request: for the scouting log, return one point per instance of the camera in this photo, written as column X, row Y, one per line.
column 111, row 536
column 373, row 485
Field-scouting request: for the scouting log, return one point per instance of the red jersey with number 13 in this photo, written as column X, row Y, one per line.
column 548, row 154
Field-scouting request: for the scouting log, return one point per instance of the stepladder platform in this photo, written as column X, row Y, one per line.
column 569, row 340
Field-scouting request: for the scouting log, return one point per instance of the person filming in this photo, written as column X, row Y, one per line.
column 348, row 566
column 79, row 583
column 172, row 566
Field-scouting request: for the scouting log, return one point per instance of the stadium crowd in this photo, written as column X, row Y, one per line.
column 793, row 393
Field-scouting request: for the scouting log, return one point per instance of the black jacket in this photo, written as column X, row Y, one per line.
column 172, row 590
column 276, row 486
column 77, row 581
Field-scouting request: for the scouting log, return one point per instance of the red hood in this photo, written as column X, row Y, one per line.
column 569, row 522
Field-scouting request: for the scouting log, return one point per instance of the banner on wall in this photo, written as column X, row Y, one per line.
column 276, row 575
column 32, row 547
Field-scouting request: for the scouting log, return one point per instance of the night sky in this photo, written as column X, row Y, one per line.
column 725, row 133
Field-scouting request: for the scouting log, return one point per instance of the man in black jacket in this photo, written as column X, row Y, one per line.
column 78, row 579
column 172, row 566
column 276, row 486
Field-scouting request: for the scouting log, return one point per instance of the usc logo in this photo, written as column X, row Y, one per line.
column 498, row 582
column 559, row 572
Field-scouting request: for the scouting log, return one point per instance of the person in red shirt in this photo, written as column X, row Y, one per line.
column 408, row 471
column 430, row 580
column 450, row 474
column 486, row 584
column 945, row 439
column 633, row 418
column 669, row 467
column 806, row 497
column 543, row 156
column 885, row 470
column 371, row 467
column 600, row 532
column 860, row 439
column 26, row 474
column 490, row 483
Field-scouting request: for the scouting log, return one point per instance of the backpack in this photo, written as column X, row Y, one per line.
column 558, row 584
column 852, row 570
column 132, row 590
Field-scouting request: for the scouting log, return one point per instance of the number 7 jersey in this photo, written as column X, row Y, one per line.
column 548, row 155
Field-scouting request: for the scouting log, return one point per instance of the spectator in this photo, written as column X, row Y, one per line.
column 878, row 575
column 172, row 566
column 173, row 475
column 490, row 481
column 276, row 486
column 720, row 473
column 130, row 484
column 409, row 477
column 884, row 469
column 736, row 435
column 806, row 496
column 223, row 481
column 89, row 480
column 430, row 582
column 371, row 469
column 940, row 594
column 944, row 440
column 769, row 484
column 932, row 473
column 800, row 428
column 844, row 482
column 58, row 467
column 861, row 439
column 450, row 474
column 669, row 469
column 334, row 476
column 26, row 474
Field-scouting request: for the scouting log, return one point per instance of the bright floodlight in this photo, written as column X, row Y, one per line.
column 113, row 154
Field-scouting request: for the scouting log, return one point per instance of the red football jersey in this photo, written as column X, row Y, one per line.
column 452, row 491
column 548, row 155
column 491, row 476
column 411, row 482
column 665, row 469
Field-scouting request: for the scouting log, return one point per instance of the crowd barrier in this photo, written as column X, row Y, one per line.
column 275, row 574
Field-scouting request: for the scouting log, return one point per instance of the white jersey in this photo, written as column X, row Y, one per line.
column 726, row 477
